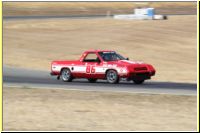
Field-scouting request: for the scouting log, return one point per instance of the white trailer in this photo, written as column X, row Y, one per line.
column 141, row 14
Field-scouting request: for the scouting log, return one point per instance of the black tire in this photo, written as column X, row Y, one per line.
column 137, row 81
column 112, row 77
column 91, row 80
column 66, row 75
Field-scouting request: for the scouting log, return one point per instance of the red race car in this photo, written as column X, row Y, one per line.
column 102, row 64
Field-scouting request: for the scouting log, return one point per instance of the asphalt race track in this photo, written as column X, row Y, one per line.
column 41, row 79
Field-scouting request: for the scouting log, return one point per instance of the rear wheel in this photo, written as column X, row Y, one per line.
column 91, row 80
column 112, row 77
column 66, row 75
column 137, row 81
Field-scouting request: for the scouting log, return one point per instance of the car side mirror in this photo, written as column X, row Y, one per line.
column 127, row 58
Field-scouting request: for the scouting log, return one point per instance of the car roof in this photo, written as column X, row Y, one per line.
column 99, row 51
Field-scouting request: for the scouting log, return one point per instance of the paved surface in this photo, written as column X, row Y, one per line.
column 42, row 79
column 53, row 17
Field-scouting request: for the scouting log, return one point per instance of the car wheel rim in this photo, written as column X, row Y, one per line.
column 112, row 76
column 65, row 75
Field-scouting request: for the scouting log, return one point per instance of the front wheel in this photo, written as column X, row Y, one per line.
column 136, row 81
column 66, row 75
column 112, row 77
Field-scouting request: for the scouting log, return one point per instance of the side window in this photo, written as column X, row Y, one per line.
column 91, row 57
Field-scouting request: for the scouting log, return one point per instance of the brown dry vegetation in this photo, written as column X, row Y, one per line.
column 169, row 45
column 94, row 4
column 41, row 109
column 83, row 8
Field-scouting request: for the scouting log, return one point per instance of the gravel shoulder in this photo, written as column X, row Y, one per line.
column 59, row 110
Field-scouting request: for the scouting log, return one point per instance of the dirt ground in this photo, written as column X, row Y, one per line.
column 46, row 109
column 170, row 45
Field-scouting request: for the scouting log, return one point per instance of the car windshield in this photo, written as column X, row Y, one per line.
column 111, row 56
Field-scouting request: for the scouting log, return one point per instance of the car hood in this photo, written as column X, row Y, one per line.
column 133, row 65
column 128, row 63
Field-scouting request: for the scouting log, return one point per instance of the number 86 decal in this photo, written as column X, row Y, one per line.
column 90, row 69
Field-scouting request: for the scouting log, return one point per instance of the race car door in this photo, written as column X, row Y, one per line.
column 92, row 63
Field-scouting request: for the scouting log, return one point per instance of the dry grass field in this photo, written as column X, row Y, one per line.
column 95, row 4
column 83, row 8
column 169, row 45
column 46, row 109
